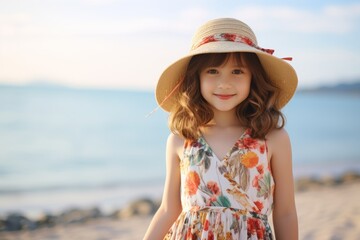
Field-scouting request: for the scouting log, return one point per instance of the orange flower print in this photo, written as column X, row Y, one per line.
column 260, row 168
column 248, row 143
column 187, row 143
column 236, row 216
column 189, row 234
column 254, row 227
column 206, row 225
column 191, row 183
column 249, row 159
column 210, row 200
column 191, row 143
column 251, row 226
column 210, row 235
column 259, row 206
column 255, row 181
column 262, row 148
column 260, row 233
column 213, row 187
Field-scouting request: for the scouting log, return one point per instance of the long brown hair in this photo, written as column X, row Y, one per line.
column 258, row 112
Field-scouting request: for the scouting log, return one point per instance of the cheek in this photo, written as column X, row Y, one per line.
column 247, row 83
column 204, row 87
column 247, row 88
column 244, row 87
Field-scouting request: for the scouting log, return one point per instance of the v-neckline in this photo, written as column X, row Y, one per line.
column 228, row 153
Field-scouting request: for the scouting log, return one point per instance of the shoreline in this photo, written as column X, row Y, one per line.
column 111, row 197
column 141, row 210
column 323, row 213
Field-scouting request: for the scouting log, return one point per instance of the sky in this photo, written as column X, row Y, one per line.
column 126, row 44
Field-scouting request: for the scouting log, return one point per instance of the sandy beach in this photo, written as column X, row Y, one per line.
column 329, row 212
column 324, row 211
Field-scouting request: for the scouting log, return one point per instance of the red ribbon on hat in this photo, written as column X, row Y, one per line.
column 234, row 38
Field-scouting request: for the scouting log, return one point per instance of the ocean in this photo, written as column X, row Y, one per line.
column 62, row 148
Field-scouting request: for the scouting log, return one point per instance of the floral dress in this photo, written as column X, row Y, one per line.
column 228, row 198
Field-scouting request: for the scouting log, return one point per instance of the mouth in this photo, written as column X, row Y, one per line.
column 224, row 96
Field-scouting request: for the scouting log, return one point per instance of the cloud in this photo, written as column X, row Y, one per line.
column 321, row 66
column 333, row 19
column 31, row 24
column 85, row 43
column 11, row 24
column 99, row 2
column 344, row 11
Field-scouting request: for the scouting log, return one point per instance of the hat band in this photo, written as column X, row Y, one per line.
column 230, row 37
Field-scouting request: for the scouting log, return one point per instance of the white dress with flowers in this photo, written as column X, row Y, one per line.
column 228, row 198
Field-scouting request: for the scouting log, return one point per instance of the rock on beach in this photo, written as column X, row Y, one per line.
column 20, row 222
column 328, row 208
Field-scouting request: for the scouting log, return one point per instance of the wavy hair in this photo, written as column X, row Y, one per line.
column 258, row 112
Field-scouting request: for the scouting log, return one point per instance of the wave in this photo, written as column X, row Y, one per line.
column 82, row 187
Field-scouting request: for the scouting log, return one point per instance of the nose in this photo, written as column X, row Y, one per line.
column 223, row 82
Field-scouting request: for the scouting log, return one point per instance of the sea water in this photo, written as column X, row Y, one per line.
column 62, row 147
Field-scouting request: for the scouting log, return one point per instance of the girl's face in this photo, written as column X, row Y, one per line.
column 224, row 87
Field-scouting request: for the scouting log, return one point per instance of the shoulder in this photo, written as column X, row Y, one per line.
column 278, row 140
column 280, row 156
column 175, row 140
column 277, row 135
column 175, row 144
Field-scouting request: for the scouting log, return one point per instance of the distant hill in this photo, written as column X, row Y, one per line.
column 351, row 87
column 35, row 85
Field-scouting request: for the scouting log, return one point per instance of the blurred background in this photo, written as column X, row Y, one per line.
column 77, row 80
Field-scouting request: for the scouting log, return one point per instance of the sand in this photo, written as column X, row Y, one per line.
column 325, row 212
column 329, row 212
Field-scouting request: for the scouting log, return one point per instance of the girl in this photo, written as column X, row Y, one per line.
column 228, row 146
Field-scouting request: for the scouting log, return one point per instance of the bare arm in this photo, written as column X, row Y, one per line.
column 170, row 207
column 284, row 214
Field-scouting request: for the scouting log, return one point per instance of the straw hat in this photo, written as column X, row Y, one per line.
column 220, row 36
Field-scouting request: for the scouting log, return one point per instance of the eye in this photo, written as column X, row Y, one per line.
column 237, row 71
column 212, row 71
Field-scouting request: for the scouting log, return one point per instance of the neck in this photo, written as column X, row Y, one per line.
column 225, row 119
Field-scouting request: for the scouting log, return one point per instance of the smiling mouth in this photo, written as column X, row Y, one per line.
column 224, row 96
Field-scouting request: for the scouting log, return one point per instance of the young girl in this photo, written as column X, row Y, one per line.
column 228, row 158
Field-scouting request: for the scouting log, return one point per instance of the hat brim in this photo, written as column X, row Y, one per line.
column 281, row 73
